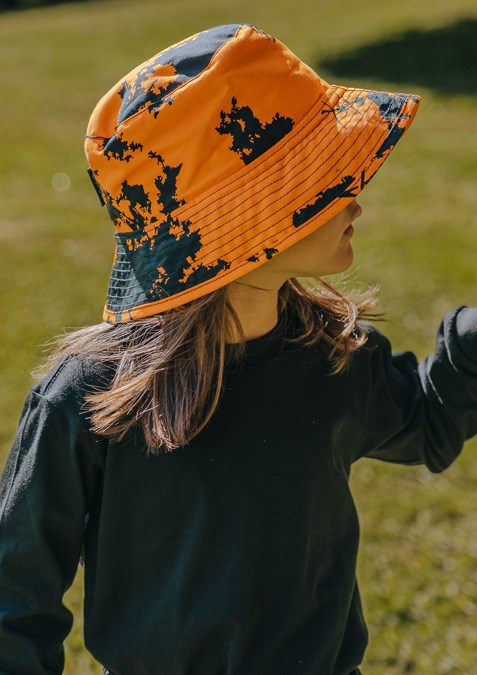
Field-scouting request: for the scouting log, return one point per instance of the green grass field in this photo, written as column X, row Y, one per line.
column 416, row 239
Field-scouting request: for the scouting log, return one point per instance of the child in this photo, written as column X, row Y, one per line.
column 194, row 449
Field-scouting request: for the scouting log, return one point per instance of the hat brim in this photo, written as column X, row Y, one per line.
column 269, row 205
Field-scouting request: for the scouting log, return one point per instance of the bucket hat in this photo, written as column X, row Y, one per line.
column 220, row 152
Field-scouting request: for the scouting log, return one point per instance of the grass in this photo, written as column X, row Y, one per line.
column 416, row 239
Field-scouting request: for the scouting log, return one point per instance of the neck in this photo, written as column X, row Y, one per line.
column 256, row 308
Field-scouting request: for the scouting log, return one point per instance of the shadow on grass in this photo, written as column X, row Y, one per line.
column 444, row 59
column 15, row 5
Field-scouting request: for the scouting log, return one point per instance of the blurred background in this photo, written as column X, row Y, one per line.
column 416, row 239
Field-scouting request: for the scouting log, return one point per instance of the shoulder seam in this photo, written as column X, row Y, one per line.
column 53, row 377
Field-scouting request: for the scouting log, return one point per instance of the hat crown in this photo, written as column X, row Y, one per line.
column 150, row 85
column 201, row 109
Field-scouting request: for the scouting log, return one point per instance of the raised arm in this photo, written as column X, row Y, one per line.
column 419, row 413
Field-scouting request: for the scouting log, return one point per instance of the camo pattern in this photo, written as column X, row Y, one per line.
column 151, row 264
column 143, row 90
column 250, row 137
column 205, row 172
column 347, row 187
column 389, row 109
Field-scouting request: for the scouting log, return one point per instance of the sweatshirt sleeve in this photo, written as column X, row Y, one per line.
column 46, row 485
column 419, row 413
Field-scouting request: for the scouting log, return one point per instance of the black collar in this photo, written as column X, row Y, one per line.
column 263, row 348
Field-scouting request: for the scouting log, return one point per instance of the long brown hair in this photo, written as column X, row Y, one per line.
column 168, row 369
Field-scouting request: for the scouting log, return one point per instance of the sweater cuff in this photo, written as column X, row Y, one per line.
column 466, row 327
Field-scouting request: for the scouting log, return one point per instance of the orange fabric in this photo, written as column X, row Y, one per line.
column 238, row 162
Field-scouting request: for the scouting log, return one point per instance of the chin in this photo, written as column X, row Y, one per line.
column 340, row 264
column 343, row 264
column 349, row 258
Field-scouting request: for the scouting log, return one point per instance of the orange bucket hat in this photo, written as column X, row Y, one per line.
column 220, row 152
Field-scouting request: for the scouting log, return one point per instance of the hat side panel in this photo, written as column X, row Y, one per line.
column 117, row 144
column 239, row 117
column 215, row 125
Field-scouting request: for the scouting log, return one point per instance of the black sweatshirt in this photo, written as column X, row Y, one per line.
column 235, row 554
